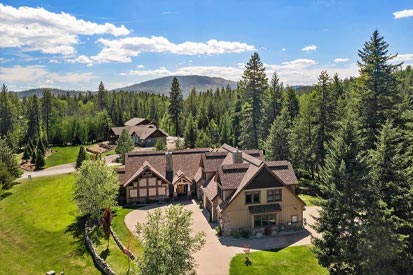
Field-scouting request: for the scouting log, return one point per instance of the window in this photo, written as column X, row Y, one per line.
column 294, row 219
column 220, row 193
column 252, row 197
column 273, row 195
column 265, row 220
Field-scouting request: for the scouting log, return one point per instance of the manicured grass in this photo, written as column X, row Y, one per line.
column 41, row 229
column 290, row 260
column 62, row 155
column 310, row 200
column 111, row 152
column 112, row 254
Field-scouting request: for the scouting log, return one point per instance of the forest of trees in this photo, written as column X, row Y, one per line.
column 350, row 141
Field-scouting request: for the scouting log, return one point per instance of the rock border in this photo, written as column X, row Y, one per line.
column 121, row 246
column 103, row 266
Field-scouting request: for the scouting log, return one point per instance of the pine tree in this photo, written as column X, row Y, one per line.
column 276, row 145
column 33, row 116
column 26, row 153
column 273, row 98
column 8, row 158
column 125, row 145
column 390, row 213
column 202, row 140
column 102, row 96
column 377, row 87
column 39, row 161
column 46, row 110
column 190, row 133
column 236, row 121
column 7, row 112
column 81, row 156
column 160, row 145
column 253, row 85
column 225, row 130
column 213, row 132
column 291, row 104
column 176, row 104
column 340, row 222
column 247, row 137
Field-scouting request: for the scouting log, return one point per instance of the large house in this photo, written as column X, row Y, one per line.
column 144, row 132
column 239, row 189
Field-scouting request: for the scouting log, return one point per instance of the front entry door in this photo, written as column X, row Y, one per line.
column 181, row 189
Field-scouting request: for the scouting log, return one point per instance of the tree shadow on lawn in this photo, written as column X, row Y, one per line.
column 105, row 253
column 5, row 195
column 77, row 230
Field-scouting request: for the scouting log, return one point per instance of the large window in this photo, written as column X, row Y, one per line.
column 252, row 197
column 294, row 219
column 265, row 220
column 274, row 195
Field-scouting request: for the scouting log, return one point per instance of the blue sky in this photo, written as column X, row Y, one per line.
column 76, row 44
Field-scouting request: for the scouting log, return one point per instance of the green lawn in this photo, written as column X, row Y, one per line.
column 40, row 229
column 62, row 155
column 295, row 260
column 310, row 200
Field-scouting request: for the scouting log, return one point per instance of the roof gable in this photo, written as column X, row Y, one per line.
column 264, row 179
column 137, row 121
column 146, row 166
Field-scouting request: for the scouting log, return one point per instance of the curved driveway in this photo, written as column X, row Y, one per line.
column 215, row 256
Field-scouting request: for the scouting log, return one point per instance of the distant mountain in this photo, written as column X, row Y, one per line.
column 162, row 85
column 38, row 92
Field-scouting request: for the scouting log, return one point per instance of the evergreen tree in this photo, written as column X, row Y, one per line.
column 39, row 160
column 125, row 145
column 46, row 110
column 26, row 153
column 81, row 156
column 175, row 104
column 273, row 98
column 8, row 158
column 7, row 112
column 160, row 145
column 291, row 104
column 342, row 214
column 303, row 136
column 213, row 132
column 236, row 121
column 247, row 137
column 377, row 88
column 225, row 133
column 276, row 146
column 325, row 114
column 390, row 213
column 33, row 116
column 102, row 96
column 202, row 140
column 40, row 147
column 190, row 132
column 253, row 85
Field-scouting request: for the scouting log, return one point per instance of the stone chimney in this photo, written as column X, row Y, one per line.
column 237, row 156
column 169, row 162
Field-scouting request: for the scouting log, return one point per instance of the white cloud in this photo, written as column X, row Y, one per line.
column 404, row 57
column 341, row 60
column 35, row 76
column 402, row 14
column 168, row 12
column 121, row 50
column 36, row 29
column 283, row 49
column 140, row 66
column 309, row 48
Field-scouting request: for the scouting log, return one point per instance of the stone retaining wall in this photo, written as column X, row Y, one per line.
column 121, row 246
column 103, row 266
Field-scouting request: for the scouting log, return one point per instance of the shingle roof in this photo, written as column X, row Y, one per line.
column 212, row 160
column 185, row 160
column 142, row 131
column 284, row 170
column 146, row 165
column 136, row 121
column 230, row 175
column 180, row 175
column 211, row 189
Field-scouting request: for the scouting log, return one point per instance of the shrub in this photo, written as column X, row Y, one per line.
column 218, row 231
column 245, row 233
column 235, row 234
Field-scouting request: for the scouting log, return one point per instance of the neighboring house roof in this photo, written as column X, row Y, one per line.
column 142, row 131
column 146, row 165
column 284, row 170
column 137, row 121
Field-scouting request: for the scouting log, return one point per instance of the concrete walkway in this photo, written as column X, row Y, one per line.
column 215, row 256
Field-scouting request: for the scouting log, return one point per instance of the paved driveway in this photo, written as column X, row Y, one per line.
column 215, row 256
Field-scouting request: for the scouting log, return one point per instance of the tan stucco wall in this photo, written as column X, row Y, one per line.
column 239, row 216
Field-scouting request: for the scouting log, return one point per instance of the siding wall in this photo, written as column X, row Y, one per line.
column 147, row 188
column 237, row 214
